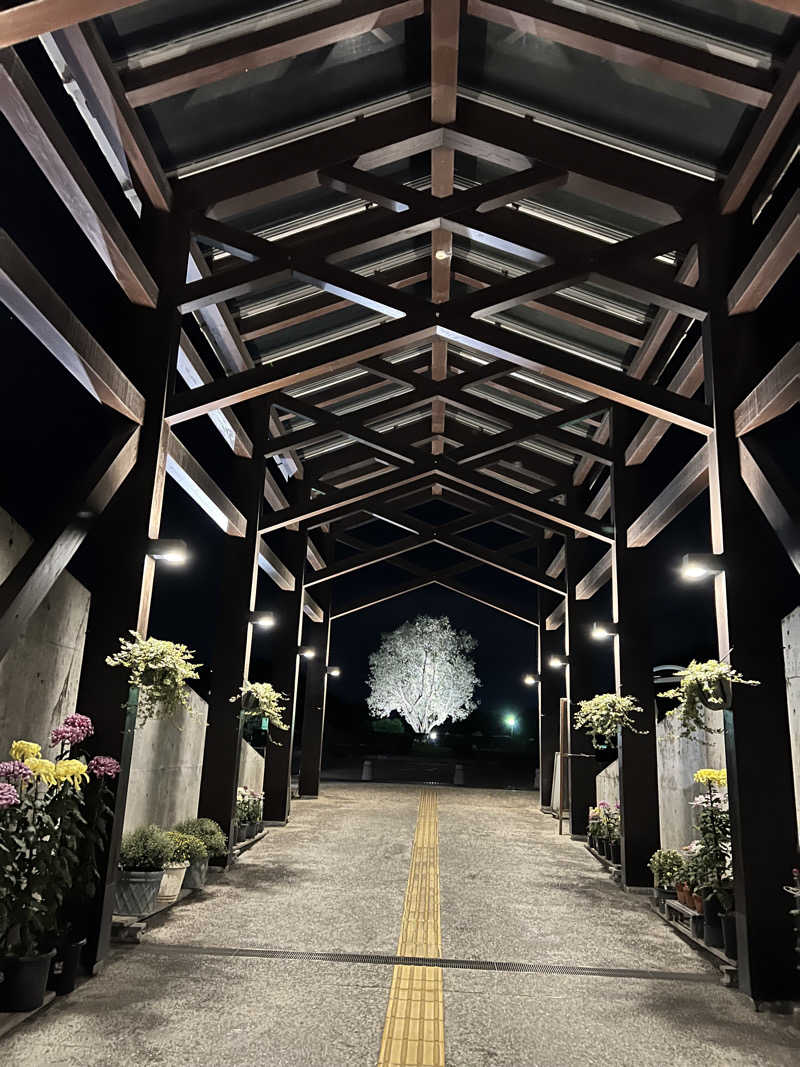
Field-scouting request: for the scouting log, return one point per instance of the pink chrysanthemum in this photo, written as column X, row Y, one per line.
column 16, row 770
column 8, row 795
column 73, row 730
column 103, row 767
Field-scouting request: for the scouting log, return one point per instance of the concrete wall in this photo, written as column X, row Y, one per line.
column 165, row 769
column 39, row 674
column 791, row 655
column 678, row 759
column 251, row 768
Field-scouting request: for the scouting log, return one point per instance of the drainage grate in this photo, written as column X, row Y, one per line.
column 504, row 966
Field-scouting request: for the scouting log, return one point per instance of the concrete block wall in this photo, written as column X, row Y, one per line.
column 251, row 768
column 39, row 674
column 791, row 656
column 166, row 767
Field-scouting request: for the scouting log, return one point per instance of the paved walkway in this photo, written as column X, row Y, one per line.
column 204, row 990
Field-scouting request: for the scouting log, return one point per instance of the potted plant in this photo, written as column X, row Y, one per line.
column 144, row 853
column 703, row 686
column 209, row 832
column 595, row 822
column 174, row 870
column 667, row 865
column 602, row 829
column 159, row 671
column 691, row 874
column 614, row 846
column 605, row 715
column 714, row 854
column 261, row 702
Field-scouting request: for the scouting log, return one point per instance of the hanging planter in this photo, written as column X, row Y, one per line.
column 605, row 715
column 159, row 670
column 706, row 686
column 260, row 700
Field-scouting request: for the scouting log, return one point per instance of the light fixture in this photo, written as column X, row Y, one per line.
column 558, row 661
column 307, row 652
column 601, row 631
column 530, row 679
column 168, row 550
column 263, row 619
column 697, row 565
column 433, row 736
column 334, row 672
column 441, row 254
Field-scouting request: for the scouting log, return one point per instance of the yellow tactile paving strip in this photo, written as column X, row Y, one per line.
column 413, row 1034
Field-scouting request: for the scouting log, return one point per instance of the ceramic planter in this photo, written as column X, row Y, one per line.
column 136, row 892
column 171, row 884
column 196, row 874
column 24, row 981
column 64, row 968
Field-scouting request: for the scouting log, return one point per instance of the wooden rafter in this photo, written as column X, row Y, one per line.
column 34, row 17
column 778, row 391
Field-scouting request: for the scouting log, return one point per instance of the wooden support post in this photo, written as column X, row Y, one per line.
column 123, row 576
column 633, row 668
column 757, row 587
column 551, row 684
column 315, row 698
column 288, row 607
column 234, row 634
column 563, row 760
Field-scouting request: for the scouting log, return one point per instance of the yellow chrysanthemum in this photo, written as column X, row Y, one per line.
column 708, row 776
column 42, row 768
column 71, row 770
column 23, row 750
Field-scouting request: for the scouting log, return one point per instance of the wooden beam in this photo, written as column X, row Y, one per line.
column 623, row 44
column 774, row 493
column 769, row 262
column 311, row 608
column 269, row 562
column 445, row 19
column 41, row 134
column 194, row 373
column 217, row 322
column 368, row 559
column 686, row 382
column 462, row 590
column 594, row 580
column 398, row 590
column 556, row 617
column 685, row 487
column 34, row 17
column 763, row 136
column 777, row 391
column 37, row 305
column 191, row 476
column 501, row 561
column 34, row 575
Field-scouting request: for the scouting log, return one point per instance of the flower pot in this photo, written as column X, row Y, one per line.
column 602, row 846
column 24, row 981
column 241, row 832
column 697, row 903
column 171, row 884
column 723, row 692
column 682, row 895
column 712, row 925
column 196, row 874
column 64, row 968
column 728, row 921
column 591, row 841
column 136, row 892
column 615, row 852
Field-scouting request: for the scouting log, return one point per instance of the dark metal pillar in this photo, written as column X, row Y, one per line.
column 288, row 606
column 123, row 573
column 234, row 632
column 633, row 668
column 315, row 697
column 551, row 689
column 757, row 587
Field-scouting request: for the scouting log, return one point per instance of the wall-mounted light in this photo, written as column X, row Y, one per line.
column 558, row 661
column 334, row 672
column 441, row 254
column 307, row 652
column 601, row 631
column 265, row 620
column 530, row 679
column 697, row 565
column 168, row 550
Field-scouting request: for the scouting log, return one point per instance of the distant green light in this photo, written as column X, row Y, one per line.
column 510, row 720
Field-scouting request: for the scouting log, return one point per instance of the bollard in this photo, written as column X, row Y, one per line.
column 458, row 777
column 366, row 771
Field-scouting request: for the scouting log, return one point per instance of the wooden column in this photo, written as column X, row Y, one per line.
column 578, row 618
column 123, row 574
column 633, row 667
column 551, row 689
column 286, row 638
column 315, row 696
column 757, row 588
column 234, row 633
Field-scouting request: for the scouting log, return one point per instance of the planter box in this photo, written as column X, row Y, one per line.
column 171, row 884
column 196, row 874
column 136, row 892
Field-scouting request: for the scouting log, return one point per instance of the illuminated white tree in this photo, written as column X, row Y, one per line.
column 424, row 671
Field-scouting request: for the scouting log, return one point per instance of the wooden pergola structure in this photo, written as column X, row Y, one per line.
column 438, row 292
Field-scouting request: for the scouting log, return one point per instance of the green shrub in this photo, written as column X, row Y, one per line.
column 209, row 832
column 187, row 847
column 668, row 867
column 148, row 848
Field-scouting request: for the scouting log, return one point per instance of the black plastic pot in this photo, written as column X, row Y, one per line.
column 712, row 925
column 64, row 968
column 24, row 981
column 615, row 854
column 728, row 921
